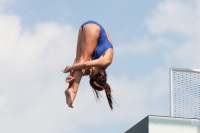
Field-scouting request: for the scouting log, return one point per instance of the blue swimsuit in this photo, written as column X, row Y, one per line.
column 102, row 44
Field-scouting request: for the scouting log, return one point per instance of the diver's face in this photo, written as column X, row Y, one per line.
column 94, row 71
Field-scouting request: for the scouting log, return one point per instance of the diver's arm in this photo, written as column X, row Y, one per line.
column 87, row 64
column 103, row 61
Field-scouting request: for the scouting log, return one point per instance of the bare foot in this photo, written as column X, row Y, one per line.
column 70, row 96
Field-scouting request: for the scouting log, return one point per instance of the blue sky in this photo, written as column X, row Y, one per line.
column 38, row 39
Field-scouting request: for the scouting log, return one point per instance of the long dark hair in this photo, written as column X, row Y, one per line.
column 99, row 82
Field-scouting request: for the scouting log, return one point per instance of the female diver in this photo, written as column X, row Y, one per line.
column 94, row 54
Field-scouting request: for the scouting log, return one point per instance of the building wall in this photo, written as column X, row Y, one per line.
column 172, row 125
column 160, row 124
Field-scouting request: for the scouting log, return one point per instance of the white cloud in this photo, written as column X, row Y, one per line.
column 175, row 16
column 170, row 17
column 178, row 18
column 32, row 85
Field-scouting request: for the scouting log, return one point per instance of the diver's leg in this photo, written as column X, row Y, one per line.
column 72, row 89
column 90, row 35
column 87, row 41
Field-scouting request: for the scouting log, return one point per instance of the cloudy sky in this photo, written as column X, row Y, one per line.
column 38, row 39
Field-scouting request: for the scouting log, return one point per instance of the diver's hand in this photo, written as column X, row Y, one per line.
column 65, row 70
column 69, row 79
